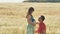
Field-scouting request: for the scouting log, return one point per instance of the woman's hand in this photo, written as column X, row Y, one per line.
column 34, row 23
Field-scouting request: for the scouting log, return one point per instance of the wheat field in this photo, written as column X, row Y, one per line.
column 13, row 21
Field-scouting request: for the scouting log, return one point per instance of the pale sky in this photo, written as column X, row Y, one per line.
column 12, row 1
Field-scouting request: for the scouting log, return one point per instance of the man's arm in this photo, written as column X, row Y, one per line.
column 43, row 32
column 37, row 22
column 43, row 29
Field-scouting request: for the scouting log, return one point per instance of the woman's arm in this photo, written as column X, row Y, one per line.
column 28, row 19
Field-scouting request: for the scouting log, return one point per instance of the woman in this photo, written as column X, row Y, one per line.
column 31, row 21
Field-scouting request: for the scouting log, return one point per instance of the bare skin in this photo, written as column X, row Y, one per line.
column 29, row 21
column 43, row 31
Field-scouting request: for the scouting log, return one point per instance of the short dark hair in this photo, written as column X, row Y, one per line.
column 42, row 17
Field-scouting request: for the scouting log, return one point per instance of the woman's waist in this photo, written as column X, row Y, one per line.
column 30, row 25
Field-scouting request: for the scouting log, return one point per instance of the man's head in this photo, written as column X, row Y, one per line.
column 42, row 18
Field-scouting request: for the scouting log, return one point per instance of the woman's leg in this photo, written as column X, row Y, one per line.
column 30, row 29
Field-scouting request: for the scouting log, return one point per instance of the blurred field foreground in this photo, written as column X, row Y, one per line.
column 13, row 21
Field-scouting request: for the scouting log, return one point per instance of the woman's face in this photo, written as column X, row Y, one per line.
column 31, row 11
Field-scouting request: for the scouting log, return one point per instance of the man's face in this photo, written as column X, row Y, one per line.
column 39, row 19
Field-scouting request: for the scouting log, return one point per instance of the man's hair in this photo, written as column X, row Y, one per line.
column 42, row 17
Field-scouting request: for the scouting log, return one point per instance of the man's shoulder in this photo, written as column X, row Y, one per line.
column 43, row 24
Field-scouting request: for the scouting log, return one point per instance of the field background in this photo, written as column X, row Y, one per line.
column 13, row 21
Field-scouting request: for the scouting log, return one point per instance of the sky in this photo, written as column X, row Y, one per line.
column 12, row 1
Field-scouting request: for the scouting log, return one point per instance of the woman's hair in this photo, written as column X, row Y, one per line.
column 30, row 10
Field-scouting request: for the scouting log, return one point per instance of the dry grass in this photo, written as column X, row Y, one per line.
column 13, row 21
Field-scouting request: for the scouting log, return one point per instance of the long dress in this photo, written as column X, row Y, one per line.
column 30, row 28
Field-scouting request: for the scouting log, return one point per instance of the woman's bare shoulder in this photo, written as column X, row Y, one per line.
column 28, row 16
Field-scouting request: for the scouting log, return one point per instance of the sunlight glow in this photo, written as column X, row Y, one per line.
column 13, row 1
